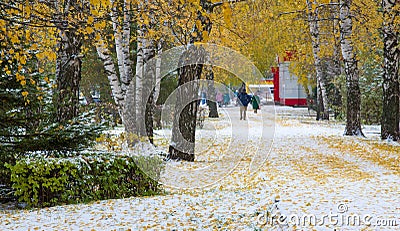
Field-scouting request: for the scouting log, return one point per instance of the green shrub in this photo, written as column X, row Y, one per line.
column 5, row 175
column 41, row 182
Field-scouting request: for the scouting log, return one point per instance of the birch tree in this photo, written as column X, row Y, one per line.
column 145, row 78
column 68, row 24
column 139, row 107
column 120, row 75
column 353, row 120
column 313, row 19
column 132, row 92
column 390, row 31
column 127, row 88
column 105, row 55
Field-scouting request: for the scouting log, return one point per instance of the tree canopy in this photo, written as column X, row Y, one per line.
column 45, row 42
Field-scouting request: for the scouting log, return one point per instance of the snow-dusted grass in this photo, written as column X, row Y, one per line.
column 310, row 169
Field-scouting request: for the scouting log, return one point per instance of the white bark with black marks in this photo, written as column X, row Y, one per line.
column 105, row 55
column 158, row 79
column 391, row 92
column 353, row 121
column 139, row 101
column 145, row 77
column 126, row 77
column 121, row 79
column 119, row 42
column 316, row 48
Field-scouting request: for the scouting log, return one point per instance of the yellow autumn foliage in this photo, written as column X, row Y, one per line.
column 24, row 93
column 261, row 30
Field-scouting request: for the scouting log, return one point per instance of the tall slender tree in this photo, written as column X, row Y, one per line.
column 184, row 125
column 120, row 74
column 68, row 73
column 390, row 31
column 353, row 121
column 314, row 21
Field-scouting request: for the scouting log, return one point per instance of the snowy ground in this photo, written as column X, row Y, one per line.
column 294, row 166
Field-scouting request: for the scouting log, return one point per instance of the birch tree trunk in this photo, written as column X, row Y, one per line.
column 315, row 40
column 158, row 72
column 337, row 70
column 105, row 56
column 126, row 77
column 119, row 43
column 121, row 79
column 390, row 114
column 68, row 74
column 145, row 76
column 122, row 46
column 139, row 101
column 353, row 122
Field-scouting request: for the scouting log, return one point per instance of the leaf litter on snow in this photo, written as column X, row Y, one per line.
column 311, row 169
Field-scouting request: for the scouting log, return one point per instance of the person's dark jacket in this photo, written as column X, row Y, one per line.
column 255, row 102
column 244, row 99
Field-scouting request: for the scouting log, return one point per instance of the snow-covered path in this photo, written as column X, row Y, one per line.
column 311, row 171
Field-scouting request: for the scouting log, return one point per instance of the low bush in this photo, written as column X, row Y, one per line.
column 41, row 182
column 5, row 173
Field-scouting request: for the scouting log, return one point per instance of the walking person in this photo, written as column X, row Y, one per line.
column 203, row 98
column 227, row 99
column 220, row 98
column 255, row 103
column 243, row 100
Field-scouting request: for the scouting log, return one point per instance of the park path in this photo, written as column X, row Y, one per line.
column 310, row 169
column 325, row 172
